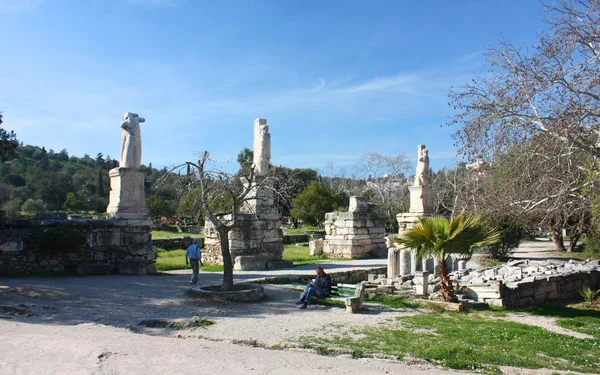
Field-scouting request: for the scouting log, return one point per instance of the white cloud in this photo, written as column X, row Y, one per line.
column 15, row 6
column 403, row 83
column 158, row 3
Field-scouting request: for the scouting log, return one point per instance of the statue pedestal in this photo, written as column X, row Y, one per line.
column 127, row 199
column 421, row 199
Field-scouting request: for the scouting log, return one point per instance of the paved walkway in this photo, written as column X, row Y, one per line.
column 211, row 278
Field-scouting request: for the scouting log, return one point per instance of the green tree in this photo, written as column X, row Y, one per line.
column 33, row 206
column 313, row 203
column 8, row 143
column 157, row 207
column 100, row 183
column 13, row 207
column 439, row 237
column 73, row 202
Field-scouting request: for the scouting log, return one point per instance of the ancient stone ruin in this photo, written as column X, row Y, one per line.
column 403, row 261
column 257, row 241
column 121, row 243
column 127, row 199
column 358, row 233
column 515, row 284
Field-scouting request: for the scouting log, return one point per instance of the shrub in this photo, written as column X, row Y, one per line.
column 509, row 240
column 592, row 245
column 589, row 294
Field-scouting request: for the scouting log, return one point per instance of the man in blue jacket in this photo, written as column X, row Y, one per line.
column 320, row 288
column 195, row 259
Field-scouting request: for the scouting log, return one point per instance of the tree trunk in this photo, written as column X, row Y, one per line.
column 573, row 241
column 227, row 262
column 446, row 287
column 557, row 237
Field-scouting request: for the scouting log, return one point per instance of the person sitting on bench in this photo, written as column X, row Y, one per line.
column 320, row 288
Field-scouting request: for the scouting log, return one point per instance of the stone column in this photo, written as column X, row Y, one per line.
column 404, row 262
column 393, row 263
column 422, row 282
column 436, row 267
column 416, row 264
column 429, row 264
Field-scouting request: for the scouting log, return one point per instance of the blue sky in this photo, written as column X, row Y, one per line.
column 335, row 79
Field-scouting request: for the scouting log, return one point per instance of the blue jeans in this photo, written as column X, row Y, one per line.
column 312, row 290
column 195, row 269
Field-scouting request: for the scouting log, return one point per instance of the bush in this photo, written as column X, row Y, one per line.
column 510, row 237
column 591, row 245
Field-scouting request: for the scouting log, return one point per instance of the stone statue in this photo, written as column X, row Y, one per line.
column 131, row 147
column 421, row 177
column 262, row 147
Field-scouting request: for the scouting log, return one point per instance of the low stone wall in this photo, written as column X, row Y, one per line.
column 177, row 243
column 550, row 288
column 355, row 235
column 344, row 277
column 525, row 283
column 85, row 246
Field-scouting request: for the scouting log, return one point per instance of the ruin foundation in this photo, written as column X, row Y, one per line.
column 257, row 241
column 356, row 234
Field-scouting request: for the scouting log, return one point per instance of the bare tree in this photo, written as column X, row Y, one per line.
column 539, row 109
column 219, row 196
column 386, row 177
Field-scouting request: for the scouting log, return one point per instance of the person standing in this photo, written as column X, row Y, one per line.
column 195, row 260
column 320, row 288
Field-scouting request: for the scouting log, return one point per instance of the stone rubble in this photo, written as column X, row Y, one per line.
column 517, row 283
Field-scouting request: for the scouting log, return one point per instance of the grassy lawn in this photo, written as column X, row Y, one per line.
column 301, row 255
column 169, row 260
column 577, row 317
column 165, row 234
column 301, row 230
column 473, row 341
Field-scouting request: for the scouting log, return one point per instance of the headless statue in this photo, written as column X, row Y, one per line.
column 262, row 148
column 131, row 147
column 421, row 178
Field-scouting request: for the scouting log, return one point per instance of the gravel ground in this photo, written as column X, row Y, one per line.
column 90, row 325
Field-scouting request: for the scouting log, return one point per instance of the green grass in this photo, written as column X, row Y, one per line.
column 165, row 234
column 170, row 260
column 578, row 317
column 467, row 342
column 395, row 302
column 301, row 255
column 487, row 262
column 299, row 231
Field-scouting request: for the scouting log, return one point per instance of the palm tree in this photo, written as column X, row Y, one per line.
column 439, row 237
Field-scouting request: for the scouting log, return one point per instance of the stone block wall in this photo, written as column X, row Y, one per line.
column 121, row 246
column 524, row 282
column 355, row 234
column 257, row 236
column 550, row 288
